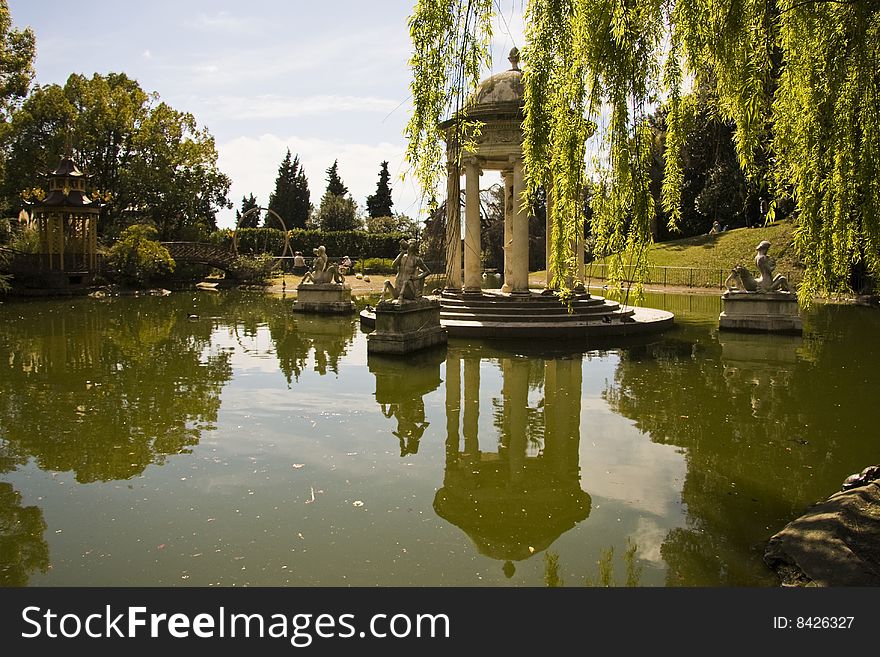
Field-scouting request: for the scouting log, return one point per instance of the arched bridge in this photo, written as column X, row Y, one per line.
column 201, row 253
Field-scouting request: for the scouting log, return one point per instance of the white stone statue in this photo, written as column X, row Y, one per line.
column 322, row 271
column 411, row 274
column 741, row 279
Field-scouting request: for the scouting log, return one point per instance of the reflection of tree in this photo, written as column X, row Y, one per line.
column 328, row 338
column 22, row 548
column 400, row 388
column 513, row 499
column 106, row 388
column 764, row 431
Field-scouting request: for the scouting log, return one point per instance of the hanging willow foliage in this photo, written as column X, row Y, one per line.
column 450, row 49
column 799, row 78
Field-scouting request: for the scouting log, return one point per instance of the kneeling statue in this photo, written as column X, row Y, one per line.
column 411, row 274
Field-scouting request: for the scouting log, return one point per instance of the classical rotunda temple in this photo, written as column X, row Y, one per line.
column 514, row 310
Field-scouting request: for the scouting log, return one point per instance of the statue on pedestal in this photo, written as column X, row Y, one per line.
column 411, row 273
column 741, row 279
column 322, row 271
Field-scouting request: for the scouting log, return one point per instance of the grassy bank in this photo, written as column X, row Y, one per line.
column 719, row 253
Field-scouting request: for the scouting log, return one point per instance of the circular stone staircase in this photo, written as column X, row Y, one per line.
column 493, row 314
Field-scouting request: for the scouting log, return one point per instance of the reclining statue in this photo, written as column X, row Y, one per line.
column 322, row 270
column 741, row 279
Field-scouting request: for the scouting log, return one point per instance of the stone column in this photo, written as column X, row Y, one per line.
column 507, row 176
column 579, row 254
column 453, row 229
column 471, row 406
column 547, row 241
column 472, row 260
column 519, row 234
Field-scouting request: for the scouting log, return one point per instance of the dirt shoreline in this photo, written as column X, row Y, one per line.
column 289, row 282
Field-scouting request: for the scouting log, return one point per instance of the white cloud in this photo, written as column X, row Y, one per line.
column 146, row 54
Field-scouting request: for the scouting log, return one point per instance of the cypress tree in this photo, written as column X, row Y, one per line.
column 291, row 196
column 334, row 182
column 253, row 219
column 379, row 204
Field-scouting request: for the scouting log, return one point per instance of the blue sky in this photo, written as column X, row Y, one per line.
column 329, row 80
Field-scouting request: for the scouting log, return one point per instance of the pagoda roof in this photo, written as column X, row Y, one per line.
column 67, row 167
column 75, row 198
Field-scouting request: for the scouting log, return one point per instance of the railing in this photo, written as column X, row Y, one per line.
column 666, row 275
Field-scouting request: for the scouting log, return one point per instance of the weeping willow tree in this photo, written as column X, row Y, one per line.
column 798, row 78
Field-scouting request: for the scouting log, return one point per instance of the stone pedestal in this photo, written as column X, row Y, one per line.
column 774, row 312
column 323, row 298
column 402, row 328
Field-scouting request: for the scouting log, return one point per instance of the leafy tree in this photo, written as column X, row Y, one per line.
column 338, row 210
column 149, row 162
column 338, row 213
column 252, row 220
column 137, row 256
column 797, row 78
column 379, row 204
column 17, row 49
column 291, row 196
column 397, row 223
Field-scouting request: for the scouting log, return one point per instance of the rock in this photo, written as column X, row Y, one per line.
column 836, row 542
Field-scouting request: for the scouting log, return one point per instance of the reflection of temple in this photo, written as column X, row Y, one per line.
column 400, row 387
column 517, row 496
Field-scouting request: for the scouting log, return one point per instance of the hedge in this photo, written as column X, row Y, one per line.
column 353, row 243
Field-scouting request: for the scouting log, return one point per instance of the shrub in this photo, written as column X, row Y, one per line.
column 253, row 269
column 138, row 257
column 375, row 266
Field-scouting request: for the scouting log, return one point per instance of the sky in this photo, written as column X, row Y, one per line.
column 328, row 80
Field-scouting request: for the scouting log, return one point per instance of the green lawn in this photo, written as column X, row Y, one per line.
column 721, row 252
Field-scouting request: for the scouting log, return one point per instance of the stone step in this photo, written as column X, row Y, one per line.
column 519, row 318
column 532, row 312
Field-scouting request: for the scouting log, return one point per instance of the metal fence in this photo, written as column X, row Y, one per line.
column 664, row 275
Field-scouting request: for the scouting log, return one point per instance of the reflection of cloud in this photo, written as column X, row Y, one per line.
column 621, row 463
column 649, row 537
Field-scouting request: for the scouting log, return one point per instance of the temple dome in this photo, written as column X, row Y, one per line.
column 502, row 91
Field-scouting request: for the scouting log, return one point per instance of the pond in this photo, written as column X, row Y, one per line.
column 218, row 439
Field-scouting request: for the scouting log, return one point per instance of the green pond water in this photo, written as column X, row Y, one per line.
column 218, row 439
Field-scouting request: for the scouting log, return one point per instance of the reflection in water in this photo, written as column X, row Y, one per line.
column 515, row 497
column 401, row 385
column 22, row 547
column 701, row 444
column 295, row 337
column 765, row 431
column 104, row 393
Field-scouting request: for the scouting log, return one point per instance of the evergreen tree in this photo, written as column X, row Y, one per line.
column 338, row 210
column 290, row 200
column 334, row 182
column 253, row 219
column 379, row 204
